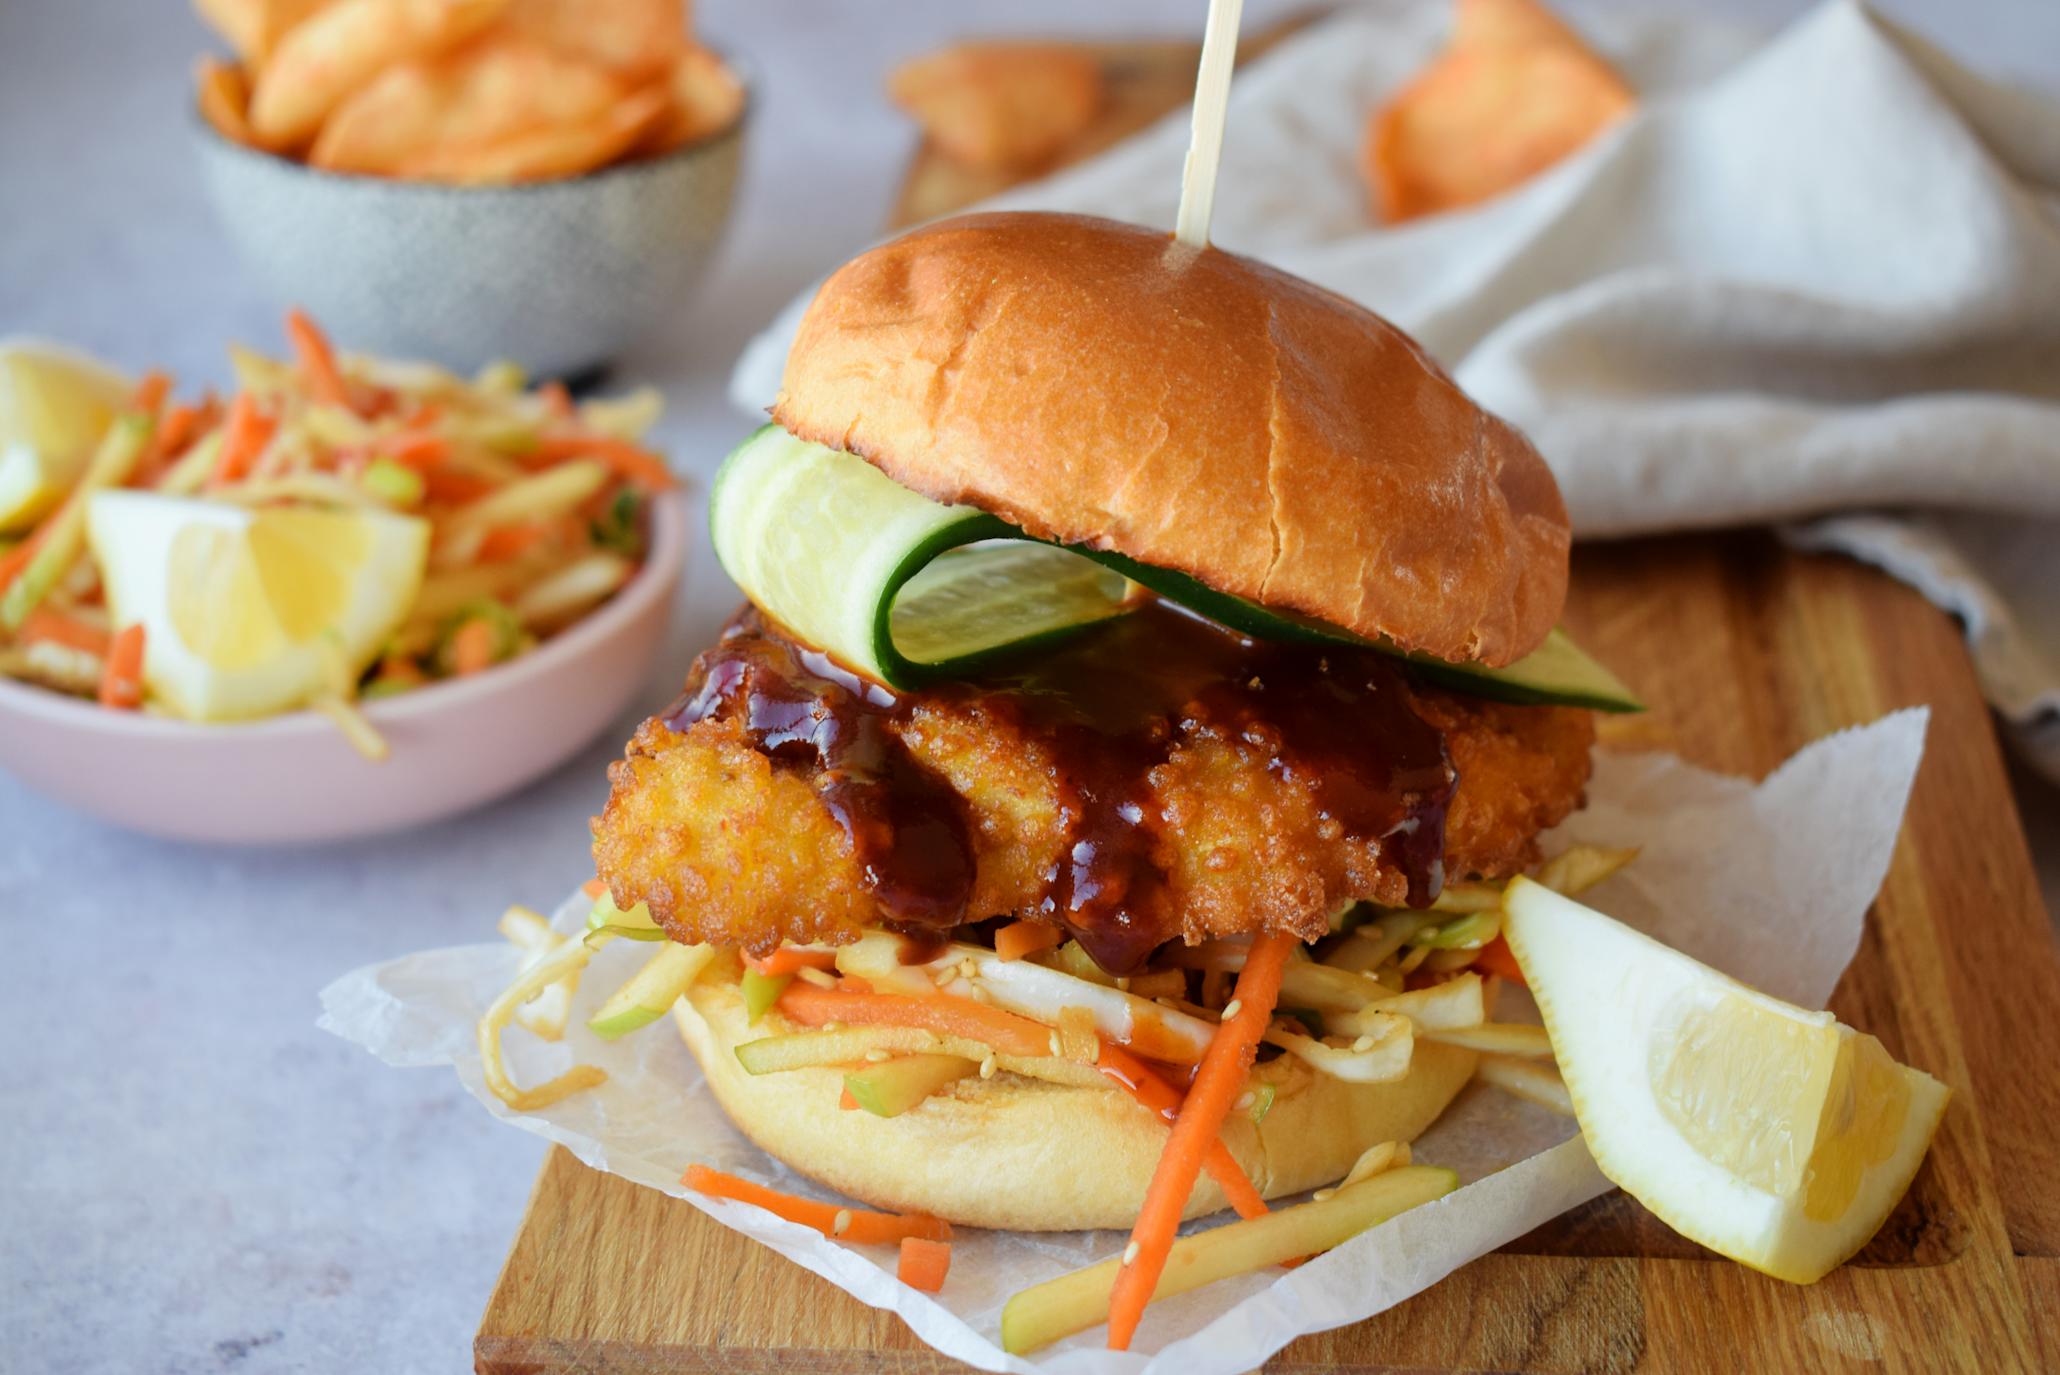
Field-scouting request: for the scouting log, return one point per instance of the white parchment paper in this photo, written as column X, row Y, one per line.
column 1769, row 882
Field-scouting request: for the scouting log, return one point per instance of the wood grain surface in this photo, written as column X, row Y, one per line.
column 1746, row 652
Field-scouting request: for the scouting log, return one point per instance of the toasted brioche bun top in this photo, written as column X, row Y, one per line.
column 1097, row 383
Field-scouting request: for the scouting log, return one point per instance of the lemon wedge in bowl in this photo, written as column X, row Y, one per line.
column 55, row 404
column 1769, row 1133
column 251, row 612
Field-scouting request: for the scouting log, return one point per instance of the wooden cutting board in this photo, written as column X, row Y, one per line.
column 1746, row 651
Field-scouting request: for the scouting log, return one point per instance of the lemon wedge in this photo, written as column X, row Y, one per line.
column 55, row 404
column 1769, row 1133
column 251, row 612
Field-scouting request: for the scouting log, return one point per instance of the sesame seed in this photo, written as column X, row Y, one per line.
column 1123, row 984
column 1364, row 1043
column 840, row 1224
column 987, row 1066
column 1322, row 1194
column 877, row 1056
column 1130, row 1253
column 1245, row 1101
column 1232, row 1008
column 967, row 968
column 1054, row 1043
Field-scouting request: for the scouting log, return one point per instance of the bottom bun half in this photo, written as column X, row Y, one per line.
column 1030, row 1155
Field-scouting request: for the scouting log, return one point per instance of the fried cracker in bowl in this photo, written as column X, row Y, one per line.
column 465, row 92
column 465, row 180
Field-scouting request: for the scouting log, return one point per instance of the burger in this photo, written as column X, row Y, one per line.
column 1115, row 609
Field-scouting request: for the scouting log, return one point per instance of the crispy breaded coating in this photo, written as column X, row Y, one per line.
column 725, row 844
column 1521, row 771
column 731, row 847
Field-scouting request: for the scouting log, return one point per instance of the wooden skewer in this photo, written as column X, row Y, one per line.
column 1205, row 143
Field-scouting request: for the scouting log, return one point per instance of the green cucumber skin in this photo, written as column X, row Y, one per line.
column 1234, row 612
column 894, row 1087
column 624, row 1022
column 1481, row 683
column 722, row 477
column 1260, row 623
column 603, row 918
column 761, row 991
column 903, row 674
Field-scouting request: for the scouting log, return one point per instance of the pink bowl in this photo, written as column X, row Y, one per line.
column 295, row 778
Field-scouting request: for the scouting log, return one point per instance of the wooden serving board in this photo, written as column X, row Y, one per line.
column 1746, row 651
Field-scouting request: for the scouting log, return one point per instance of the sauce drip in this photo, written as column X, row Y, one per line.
column 1106, row 707
column 798, row 706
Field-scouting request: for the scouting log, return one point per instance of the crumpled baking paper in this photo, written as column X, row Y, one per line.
column 1769, row 882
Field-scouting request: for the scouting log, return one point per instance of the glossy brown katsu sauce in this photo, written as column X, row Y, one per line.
column 1107, row 706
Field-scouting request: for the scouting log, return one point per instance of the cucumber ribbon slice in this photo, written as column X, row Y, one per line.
column 906, row 590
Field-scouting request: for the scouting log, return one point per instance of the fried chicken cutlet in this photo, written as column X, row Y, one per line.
column 1155, row 778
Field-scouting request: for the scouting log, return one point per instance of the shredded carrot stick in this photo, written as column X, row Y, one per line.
column 1497, row 958
column 1005, row 1031
column 454, row 489
column 593, row 888
column 503, row 543
column 417, row 450
column 924, row 1264
column 46, row 624
column 572, row 532
column 858, row 1226
column 150, row 393
column 1012, row 1034
column 181, row 424
column 18, row 558
column 1217, row 1082
column 1020, row 938
column 317, row 360
column 398, row 668
column 472, row 648
column 789, row 959
column 642, row 467
column 121, row 681
column 557, row 400
column 245, row 432
column 1148, row 1088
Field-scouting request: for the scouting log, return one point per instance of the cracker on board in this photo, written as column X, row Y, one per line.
column 1514, row 92
column 1000, row 104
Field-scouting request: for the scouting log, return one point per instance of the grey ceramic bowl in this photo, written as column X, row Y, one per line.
column 559, row 276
